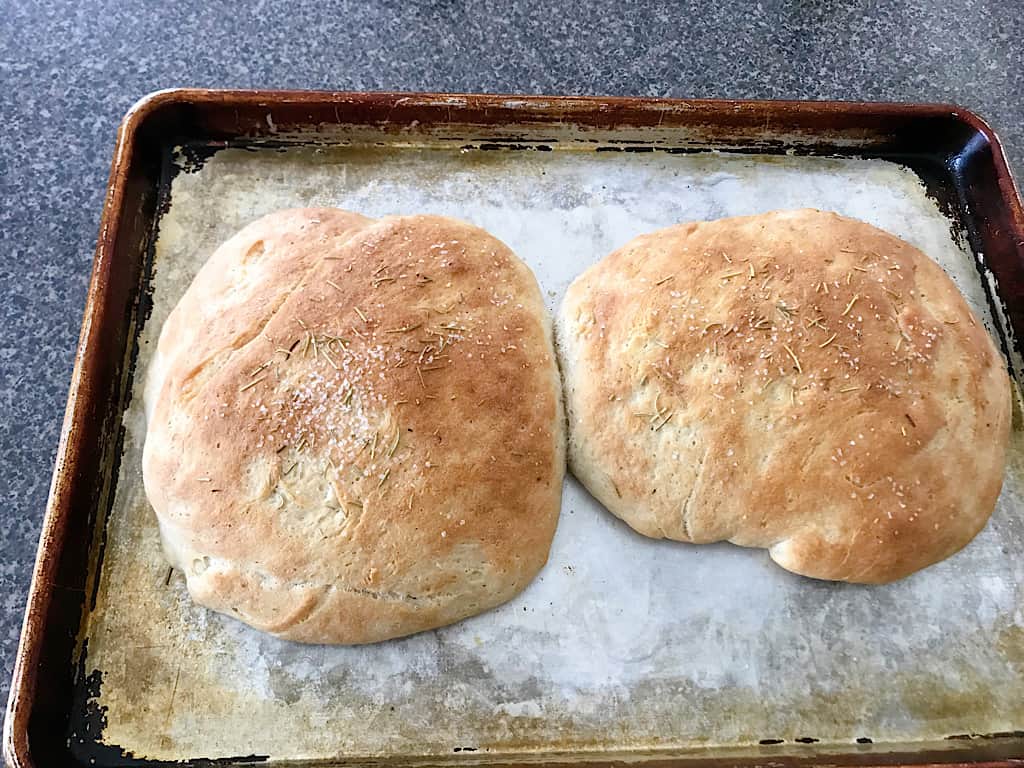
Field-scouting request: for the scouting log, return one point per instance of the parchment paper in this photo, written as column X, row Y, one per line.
column 622, row 642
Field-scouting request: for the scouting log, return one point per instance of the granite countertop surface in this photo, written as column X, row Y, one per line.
column 69, row 70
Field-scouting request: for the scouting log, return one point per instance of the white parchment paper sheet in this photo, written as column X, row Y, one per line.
column 622, row 642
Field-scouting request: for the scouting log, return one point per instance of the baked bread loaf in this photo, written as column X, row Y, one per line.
column 798, row 381
column 355, row 427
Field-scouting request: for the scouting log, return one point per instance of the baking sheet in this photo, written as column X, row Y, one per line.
column 622, row 643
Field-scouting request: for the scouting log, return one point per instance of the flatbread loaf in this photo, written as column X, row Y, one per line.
column 355, row 427
column 798, row 381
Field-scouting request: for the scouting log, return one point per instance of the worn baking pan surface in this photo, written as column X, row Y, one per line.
column 623, row 646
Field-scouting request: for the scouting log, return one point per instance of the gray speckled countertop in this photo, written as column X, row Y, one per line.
column 70, row 70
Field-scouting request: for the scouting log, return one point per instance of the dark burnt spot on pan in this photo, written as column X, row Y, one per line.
column 491, row 146
column 191, row 157
column 763, row 148
column 995, row 735
column 84, row 744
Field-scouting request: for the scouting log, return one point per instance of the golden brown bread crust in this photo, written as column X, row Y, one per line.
column 355, row 426
column 796, row 380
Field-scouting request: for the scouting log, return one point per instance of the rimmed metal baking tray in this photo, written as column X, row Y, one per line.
column 116, row 667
